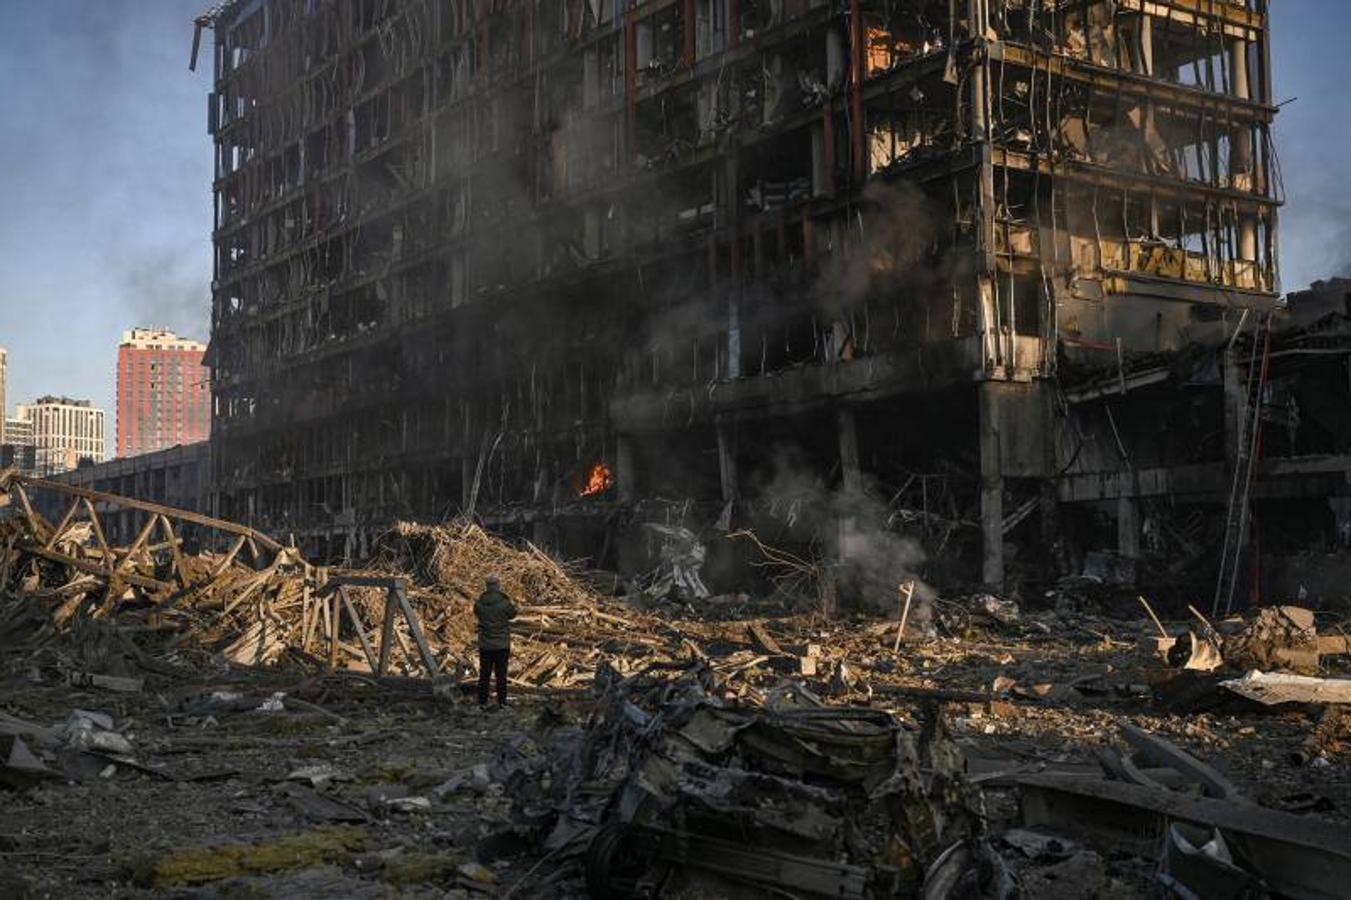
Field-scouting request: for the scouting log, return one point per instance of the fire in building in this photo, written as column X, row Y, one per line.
column 163, row 391
column 574, row 266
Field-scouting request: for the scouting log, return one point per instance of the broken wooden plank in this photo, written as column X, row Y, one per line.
column 762, row 640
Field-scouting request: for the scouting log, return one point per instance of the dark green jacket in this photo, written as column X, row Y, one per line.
column 494, row 612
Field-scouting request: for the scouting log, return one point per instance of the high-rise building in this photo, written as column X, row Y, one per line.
column 163, row 391
column 472, row 256
column 4, row 410
column 65, row 431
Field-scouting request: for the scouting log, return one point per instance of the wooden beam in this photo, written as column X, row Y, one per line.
column 360, row 626
column 136, row 545
column 337, row 629
column 424, row 650
column 65, row 520
column 229, row 557
column 386, row 634
column 98, row 533
column 168, row 529
column 92, row 569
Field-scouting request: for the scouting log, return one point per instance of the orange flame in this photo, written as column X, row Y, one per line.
column 600, row 478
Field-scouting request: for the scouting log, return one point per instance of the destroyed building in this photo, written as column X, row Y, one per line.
column 565, row 264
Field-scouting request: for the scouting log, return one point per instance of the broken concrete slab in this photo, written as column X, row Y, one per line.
column 19, row 768
column 1277, row 688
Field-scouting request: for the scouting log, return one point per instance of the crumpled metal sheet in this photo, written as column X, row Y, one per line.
column 662, row 747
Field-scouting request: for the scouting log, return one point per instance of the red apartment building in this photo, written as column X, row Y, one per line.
column 163, row 391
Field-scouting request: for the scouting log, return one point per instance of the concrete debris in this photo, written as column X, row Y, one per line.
column 85, row 730
column 318, row 775
column 19, row 768
column 1084, row 874
column 1281, row 637
column 682, row 557
column 1035, row 845
column 1276, row 688
column 1001, row 610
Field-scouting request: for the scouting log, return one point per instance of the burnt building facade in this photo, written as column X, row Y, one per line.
column 567, row 263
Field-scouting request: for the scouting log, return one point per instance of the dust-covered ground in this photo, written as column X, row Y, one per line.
column 351, row 787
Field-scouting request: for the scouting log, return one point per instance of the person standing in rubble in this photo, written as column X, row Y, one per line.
column 494, row 611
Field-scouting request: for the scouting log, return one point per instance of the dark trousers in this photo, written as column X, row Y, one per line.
column 489, row 662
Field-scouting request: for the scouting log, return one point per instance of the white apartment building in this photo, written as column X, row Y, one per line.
column 64, row 432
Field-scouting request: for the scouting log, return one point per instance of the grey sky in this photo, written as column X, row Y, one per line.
column 105, row 176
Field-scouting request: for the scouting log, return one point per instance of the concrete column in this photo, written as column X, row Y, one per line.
column 1128, row 527
column 644, row 36
column 821, row 174
column 541, row 533
column 1053, row 550
column 849, row 465
column 990, row 318
column 731, row 198
column 734, row 332
column 1235, row 374
column 727, row 464
column 835, row 59
column 977, row 16
column 1145, row 59
column 991, row 487
column 467, row 466
column 1241, row 150
column 990, row 321
column 625, row 469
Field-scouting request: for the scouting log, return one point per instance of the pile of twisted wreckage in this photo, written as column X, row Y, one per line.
column 995, row 752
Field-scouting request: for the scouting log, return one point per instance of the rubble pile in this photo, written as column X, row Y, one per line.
column 456, row 559
column 787, row 794
column 962, row 747
column 564, row 628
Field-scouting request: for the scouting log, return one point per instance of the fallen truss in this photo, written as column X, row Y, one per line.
column 231, row 585
column 157, row 566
